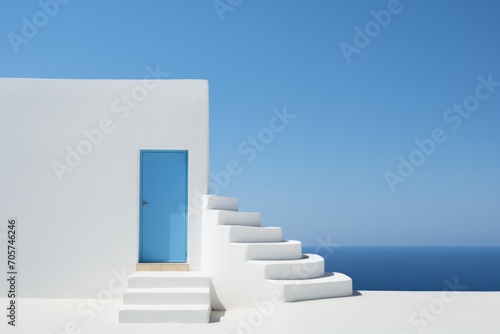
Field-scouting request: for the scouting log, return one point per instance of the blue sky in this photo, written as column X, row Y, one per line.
column 360, row 81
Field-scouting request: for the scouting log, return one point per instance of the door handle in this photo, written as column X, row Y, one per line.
column 144, row 203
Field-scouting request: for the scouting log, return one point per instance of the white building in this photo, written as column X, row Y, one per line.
column 108, row 178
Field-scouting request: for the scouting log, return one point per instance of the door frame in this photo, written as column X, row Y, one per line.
column 141, row 151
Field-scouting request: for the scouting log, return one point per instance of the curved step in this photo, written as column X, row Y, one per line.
column 212, row 202
column 223, row 217
column 233, row 233
column 285, row 250
column 309, row 266
column 329, row 286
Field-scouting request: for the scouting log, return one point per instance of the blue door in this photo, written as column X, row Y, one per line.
column 163, row 205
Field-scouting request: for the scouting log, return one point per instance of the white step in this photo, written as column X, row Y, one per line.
column 285, row 250
column 233, row 233
column 166, row 296
column 310, row 266
column 223, row 217
column 212, row 202
column 329, row 286
column 165, row 313
column 168, row 279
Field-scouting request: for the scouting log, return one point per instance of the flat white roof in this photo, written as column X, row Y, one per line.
column 371, row 312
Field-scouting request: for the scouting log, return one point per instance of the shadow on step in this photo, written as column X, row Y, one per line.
column 215, row 316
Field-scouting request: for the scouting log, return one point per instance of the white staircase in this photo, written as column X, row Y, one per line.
column 249, row 264
column 166, row 296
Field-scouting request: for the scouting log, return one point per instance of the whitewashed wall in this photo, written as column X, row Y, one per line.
column 79, row 229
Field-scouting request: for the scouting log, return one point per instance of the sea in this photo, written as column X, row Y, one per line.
column 415, row 268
